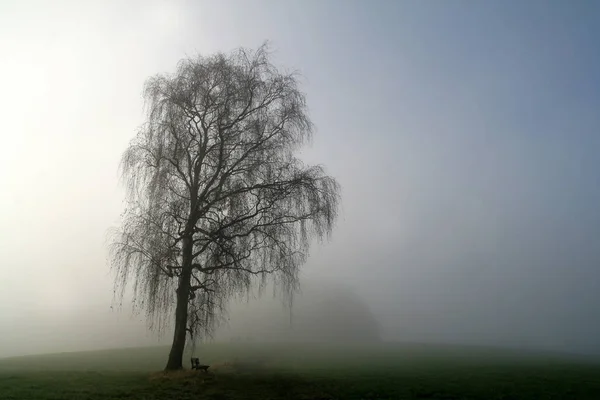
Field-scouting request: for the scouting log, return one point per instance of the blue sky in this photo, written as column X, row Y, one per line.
column 465, row 135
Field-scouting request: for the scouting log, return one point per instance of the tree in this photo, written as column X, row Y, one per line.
column 216, row 199
column 324, row 311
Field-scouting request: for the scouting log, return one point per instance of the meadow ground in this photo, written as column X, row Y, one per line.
column 307, row 371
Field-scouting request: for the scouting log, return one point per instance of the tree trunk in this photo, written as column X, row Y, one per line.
column 175, row 361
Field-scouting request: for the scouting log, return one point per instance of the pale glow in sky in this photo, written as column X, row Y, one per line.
column 464, row 134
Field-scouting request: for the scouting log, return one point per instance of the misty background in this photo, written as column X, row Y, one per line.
column 465, row 136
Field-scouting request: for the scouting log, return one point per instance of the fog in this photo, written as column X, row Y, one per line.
column 465, row 136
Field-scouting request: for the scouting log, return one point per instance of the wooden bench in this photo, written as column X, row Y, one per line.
column 196, row 365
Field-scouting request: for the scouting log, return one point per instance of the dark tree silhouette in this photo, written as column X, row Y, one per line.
column 217, row 201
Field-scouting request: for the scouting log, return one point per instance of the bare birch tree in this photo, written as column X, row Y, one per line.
column 217, row 200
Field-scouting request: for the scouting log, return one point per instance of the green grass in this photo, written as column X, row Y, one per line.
column 307, row 371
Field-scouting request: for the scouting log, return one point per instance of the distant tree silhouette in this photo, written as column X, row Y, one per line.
column 323, row 312
column 337, row 314
column 217, row 200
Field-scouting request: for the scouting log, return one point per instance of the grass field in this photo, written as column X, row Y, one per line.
column 307, row 371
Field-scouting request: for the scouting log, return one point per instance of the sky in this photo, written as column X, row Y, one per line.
column 465, row 136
